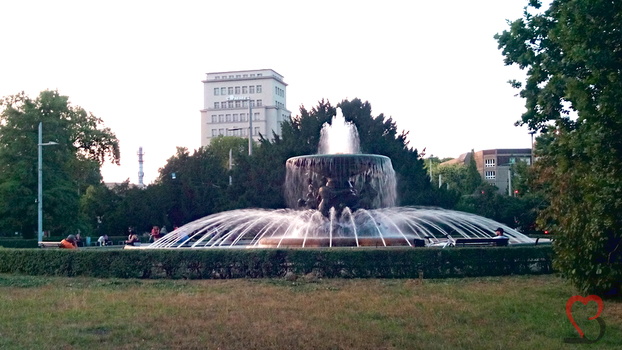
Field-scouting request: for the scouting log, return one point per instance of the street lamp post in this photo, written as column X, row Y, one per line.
column 531, row 133
column 431, row 155
column 40, row 145
column 230, row 165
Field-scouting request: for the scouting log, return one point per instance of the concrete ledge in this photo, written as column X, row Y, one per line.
column 49, row 244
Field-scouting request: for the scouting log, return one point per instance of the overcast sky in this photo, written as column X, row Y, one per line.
column 432, row 66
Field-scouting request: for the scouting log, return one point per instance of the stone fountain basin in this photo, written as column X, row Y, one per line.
column 340, row 165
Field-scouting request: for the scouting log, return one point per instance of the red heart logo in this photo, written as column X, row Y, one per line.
column 584, row 300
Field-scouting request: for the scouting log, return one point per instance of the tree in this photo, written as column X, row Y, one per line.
column 573, row 55
column 192, row 186
column 69, row 167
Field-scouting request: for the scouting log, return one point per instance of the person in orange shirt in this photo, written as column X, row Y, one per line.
column 68, row 243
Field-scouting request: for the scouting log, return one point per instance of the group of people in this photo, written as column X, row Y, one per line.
column 154, row 235
column 73, row 241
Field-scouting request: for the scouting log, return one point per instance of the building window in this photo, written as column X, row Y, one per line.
column 237, row 104
column 216, row 105
column 252, row 102
column 244, row 89
column 245, row 75
column 221, row 131
column 223, row 91
column 251, row 89
column 214, row 118
column 256, row 116
column 242, row 117
column 258, row 89
column 259, row 102
column 237, row 90
column 228, row 118
column 230, row 103
column 236, row 117
column 489, row 163
column 230, row 90
column 237, row 76
column 256, row 132
column 216, row 91
column 214, row 132
column 221, row 118
column 490, row 175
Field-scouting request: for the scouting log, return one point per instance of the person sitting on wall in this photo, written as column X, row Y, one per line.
column 155, row 234
column 499, row 233
column 68, row 243
column 103, row 240
column 132, row 238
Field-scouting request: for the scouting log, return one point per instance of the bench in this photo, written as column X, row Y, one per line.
column 49, row 244
column 494, row 242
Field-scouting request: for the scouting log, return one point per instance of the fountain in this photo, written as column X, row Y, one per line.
column 336, row 198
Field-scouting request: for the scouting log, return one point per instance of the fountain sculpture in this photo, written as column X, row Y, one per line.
column 337, row 197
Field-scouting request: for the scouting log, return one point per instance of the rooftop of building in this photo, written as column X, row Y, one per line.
column 244, row 75
column 466, row 157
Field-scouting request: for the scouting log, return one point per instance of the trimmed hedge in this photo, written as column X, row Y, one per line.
column 263, row 263
column 18, row 243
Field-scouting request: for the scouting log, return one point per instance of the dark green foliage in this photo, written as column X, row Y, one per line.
column 197, row 188
column 69, row 167
column 18, row 243
column 573, row 96
column 262, row 263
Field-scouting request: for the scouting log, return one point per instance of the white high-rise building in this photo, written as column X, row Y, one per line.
column 226, row 99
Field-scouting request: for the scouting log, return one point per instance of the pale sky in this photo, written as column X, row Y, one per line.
column 432, row 66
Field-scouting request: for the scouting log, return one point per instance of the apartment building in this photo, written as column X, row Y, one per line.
column 494, row 164
column 231, row 98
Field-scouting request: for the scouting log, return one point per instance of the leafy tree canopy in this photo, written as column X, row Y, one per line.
column 572, row 52
column 83, row 144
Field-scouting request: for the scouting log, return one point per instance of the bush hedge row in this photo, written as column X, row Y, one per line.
column 18, row 243
column 261, row 263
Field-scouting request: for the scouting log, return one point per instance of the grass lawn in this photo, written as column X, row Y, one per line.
column 524, row 312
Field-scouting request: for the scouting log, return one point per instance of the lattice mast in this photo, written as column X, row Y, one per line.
column 141, row 173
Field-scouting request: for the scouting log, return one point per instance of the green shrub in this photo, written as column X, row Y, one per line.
column 18, row 243
column 261, row 263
